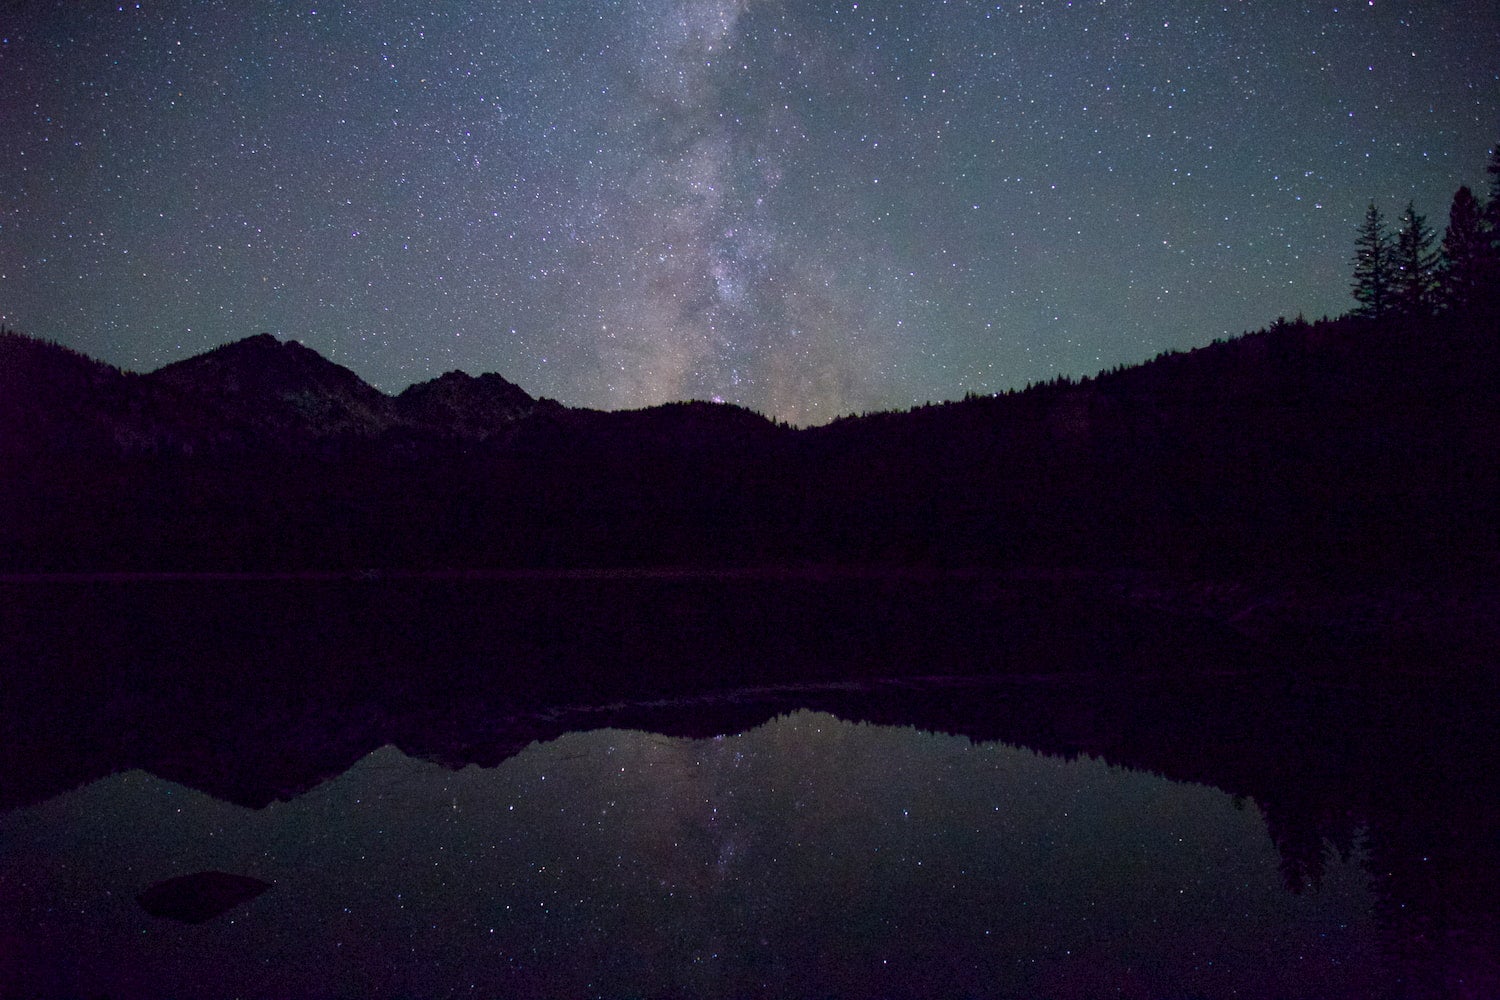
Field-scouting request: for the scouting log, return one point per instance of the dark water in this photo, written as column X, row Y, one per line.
column 806, row 857
column 690, row 787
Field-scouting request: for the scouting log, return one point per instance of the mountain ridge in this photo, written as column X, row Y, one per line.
column 246, row 393
column 1305, row 446
column 282, row 384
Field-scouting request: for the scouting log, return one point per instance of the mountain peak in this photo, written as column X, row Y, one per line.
column 281, row 386
column 261, row 349
column 475, row 407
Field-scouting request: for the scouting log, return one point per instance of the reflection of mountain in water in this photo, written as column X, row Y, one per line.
column 803, row 857
column 255, row 691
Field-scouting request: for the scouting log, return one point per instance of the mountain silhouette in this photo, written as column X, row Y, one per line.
column 469, row 407
column 1074, row 530
column 281, row 388
column 1342, row 445
column 50, row 395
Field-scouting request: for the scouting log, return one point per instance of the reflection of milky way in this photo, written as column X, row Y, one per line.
column 807, row 857
column 805, row 208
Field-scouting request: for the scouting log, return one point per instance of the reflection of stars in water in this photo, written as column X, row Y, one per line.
column 610, row 861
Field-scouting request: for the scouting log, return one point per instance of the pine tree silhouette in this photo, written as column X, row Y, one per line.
column 1492, row 207
column 1461, row 265
column 1373, row 270
column 1489, row 279
column 1414, row 266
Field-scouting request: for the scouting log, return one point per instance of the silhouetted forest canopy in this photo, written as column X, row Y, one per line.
column 1361, row 444
column 1401, row 274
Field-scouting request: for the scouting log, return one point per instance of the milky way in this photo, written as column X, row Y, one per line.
column 805, row 208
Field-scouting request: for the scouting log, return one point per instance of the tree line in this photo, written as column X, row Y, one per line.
column 1400, row 274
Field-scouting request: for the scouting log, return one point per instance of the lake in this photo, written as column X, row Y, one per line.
column 806, row 857
column 1151, row 812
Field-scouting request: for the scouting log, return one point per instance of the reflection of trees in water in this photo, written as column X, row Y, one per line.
column 1307, row 836
column 254, row 692
column 1387, row 770
column 1390, row 768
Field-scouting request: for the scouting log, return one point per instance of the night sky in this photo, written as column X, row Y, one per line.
column 808, row 208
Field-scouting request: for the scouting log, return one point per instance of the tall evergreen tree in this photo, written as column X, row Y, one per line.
column 1489, row 277
column 1372, row 266
column 1462, row 261
column 1492, row 208
column 1413, row 266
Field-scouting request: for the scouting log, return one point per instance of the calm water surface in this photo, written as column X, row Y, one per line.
column 806, row 857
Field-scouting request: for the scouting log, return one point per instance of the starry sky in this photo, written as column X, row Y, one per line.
column 808, row 208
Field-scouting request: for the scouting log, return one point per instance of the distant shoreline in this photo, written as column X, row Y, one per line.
column 1457, row 617
column 830, row 573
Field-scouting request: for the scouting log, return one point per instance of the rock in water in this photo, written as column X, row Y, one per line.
column 199, row 897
